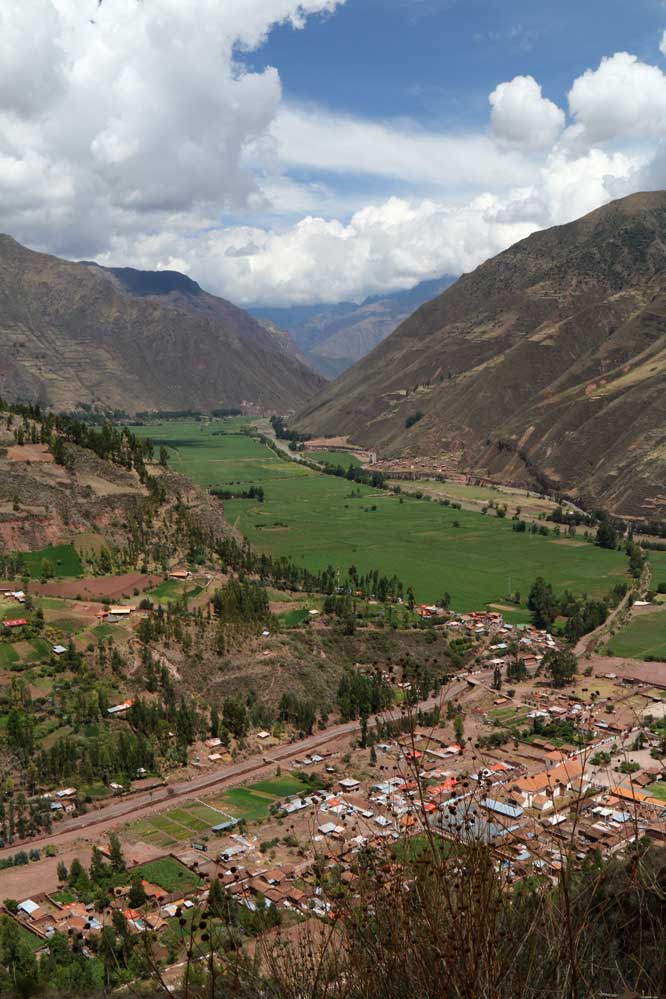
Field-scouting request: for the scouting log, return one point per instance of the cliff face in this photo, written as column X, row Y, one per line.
column 549, row 359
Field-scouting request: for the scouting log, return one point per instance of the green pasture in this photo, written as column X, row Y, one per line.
column 334, row 458
column 294, row 618
column 64, row 558
column 8, row 656
column 169, row 874
column 254, row 801
column 170, row 589
column 321, row 520
column 643, row 636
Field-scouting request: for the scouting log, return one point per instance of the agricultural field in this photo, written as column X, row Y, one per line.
column 168, row 829
column 472, row 497
column 644, row 636
column 170, row 875
column 321, row 520
column 334, row 458
column 64, row 559
column 254, row 801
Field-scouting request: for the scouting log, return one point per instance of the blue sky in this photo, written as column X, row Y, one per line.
column 295, row 151
column 436, row 60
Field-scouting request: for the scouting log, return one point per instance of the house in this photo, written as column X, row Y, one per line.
column 502, row 808
column 349, row 784
column 179, row 574
column 121, row 611
column 17, row 622
column 552, row 783
column 58, row 650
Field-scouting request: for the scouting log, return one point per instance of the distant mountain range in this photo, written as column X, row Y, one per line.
column 333, row 337
column 135, row 340
column 546, row 364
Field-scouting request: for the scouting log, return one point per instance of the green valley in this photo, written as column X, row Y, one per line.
column 321, row 520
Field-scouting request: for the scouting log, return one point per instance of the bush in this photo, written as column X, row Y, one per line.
column 413, row 418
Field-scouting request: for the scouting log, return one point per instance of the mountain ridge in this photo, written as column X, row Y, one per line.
column 333, row 337
column 546, row 363
column 81, row 333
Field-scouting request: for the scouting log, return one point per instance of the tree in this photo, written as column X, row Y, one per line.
column 459, row 727
column 164, row 457
column 541, row 602
column 606, row 535
column 137, row 893
column 561, row 665
column 216, row 901
column 497, row 678
column 116, row 854
column 62, row 871
column 97, row 865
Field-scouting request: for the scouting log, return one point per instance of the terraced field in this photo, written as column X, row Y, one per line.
column 178, row 825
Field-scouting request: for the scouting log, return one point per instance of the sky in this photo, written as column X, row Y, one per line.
column 284, row 152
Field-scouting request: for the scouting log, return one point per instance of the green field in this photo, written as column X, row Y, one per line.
column 657, row 790
column 31, row 939
column 321, row 520
column 169, row 874
column 64, row 558
column 8, row 656
column 332, row 458
column 294, row 618
column 253, row 802
column 170, row 589
column 645, row 635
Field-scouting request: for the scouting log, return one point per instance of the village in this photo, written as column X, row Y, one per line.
column 541, row 776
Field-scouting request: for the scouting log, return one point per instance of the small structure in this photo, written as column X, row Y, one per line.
column 119, row 708
column 58, row 650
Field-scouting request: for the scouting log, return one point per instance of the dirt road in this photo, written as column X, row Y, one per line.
column 94, row 826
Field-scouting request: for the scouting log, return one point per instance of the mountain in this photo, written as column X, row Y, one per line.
column 134, row 340
column 332, row 338
column 546, row 364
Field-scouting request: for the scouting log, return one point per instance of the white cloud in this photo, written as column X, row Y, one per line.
column 383, row 247
column 112, row 115
column 662, row 44
column 132, row 138
column 623, row 99
column 522, row 117
column 340, row 143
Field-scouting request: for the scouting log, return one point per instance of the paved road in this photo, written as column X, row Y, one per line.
column 138, row 806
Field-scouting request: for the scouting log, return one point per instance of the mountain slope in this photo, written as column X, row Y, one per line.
column 548, row 361
column 332, row 338
column 130, row 340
